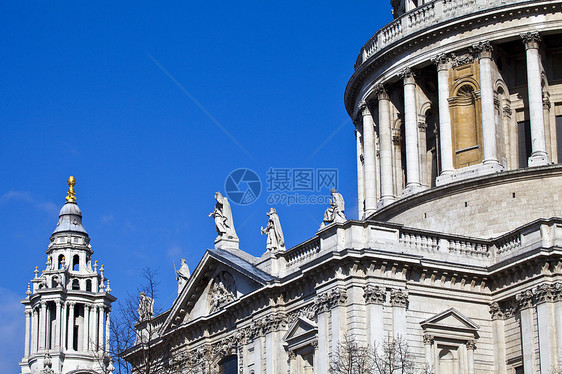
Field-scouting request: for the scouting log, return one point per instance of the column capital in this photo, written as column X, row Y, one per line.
column 483, row 49
column 381, row 92
column 374, row 294
column 28, row 312
column 428, row 339
column 43, row 304
column 531, row 39
column 441, row 61
column 398, row 298
column 364, row 108
column 471, row 345
column 408, row 76
column 524, row 299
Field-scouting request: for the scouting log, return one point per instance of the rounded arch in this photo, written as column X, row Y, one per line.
column 425, row 107
column 466, row 81
column 75, row 263
column 60, row 261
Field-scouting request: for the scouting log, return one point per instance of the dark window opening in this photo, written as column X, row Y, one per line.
column 524, row 143
column 61, row 260
column 559, row 138
column 75, row 263
column 229, row 365
column 89, row 285
column 75, row 284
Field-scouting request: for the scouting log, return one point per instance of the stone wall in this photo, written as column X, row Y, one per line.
column 484, row 207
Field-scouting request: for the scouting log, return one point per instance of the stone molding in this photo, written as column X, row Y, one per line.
column 374, row 294
column 544, row 293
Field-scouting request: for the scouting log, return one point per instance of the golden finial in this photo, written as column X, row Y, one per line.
column 71, row 196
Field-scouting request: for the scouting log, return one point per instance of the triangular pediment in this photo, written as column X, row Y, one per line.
column 221, row 278
column 450, row 323
column 301, row 332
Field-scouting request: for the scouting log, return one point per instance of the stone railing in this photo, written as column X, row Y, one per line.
column 424, row 16
column 302, row 252
column 419, row 241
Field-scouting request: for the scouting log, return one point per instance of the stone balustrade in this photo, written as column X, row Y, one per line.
column 423, row 16
column 461, row 249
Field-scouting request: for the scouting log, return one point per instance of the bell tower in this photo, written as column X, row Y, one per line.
column 68, row 304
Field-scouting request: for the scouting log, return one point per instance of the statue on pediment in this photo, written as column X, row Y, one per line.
column 336, row 212
column 182, row 275
column 275, row 239
column 223, row 218
column 146, row 307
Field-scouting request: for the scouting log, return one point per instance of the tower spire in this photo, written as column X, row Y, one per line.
column 71, row 195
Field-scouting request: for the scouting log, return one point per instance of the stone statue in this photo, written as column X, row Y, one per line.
column 47, row 364
column 275, row 239
column 182, row 275
column 222, row 291
column 336, row 212
column 223, row 218
column 146, row 307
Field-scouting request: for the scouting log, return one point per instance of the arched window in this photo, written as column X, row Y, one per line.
column 89, row 285
column 75, row 263
column 75, row 284
column 466, row 125
column 60, row 261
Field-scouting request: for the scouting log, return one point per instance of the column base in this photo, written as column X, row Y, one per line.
column 540, row 159
column 469, row 172
column 413, row 189
column 385, row 201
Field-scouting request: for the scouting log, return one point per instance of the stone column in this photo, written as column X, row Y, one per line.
column 322, row 313
column 525, row 301
column 411, row 127
column 445, row 132
column 360, row 172
column 87, row 331
column 470, row 347
column 398, row 300
column 107, row 328
column 490, row 151
column 27, row 331
column 374, row 298
column 101, row 316
column 48, row 330
column 536, row 114
column 546, row 323
column 292, row 361
column 337, row 300
column 428, row 343
column 558, row 316
column 34, row 330
column 385, row 138
column 369, row 160
column 64, row 326
column 58, row 325
column 70, row 342
column 498, row 326
column 42, row 324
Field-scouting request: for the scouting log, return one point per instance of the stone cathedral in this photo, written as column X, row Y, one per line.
column 68, row 304
column 457, row 106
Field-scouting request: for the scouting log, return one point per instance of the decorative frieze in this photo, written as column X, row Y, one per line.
column 462, row 59
column 374, row 294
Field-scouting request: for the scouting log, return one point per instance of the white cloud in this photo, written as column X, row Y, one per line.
column 12, row 331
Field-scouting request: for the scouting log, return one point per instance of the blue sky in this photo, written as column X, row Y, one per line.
column 130, row 98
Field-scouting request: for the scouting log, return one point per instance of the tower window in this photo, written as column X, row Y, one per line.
column 60, row 261
column 75, row 263
column 89, row 285
column 75, row 284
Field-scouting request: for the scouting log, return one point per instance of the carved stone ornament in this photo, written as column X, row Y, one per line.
column 463, row 59
column 471, row 345
column 441, row 61
column 428, row 339
column 407, row 75
column 496, row 311
column 398, row 298
column 47, row 364
column 545, row 293
column 531, row 40
column 524, row 299
column 146, row 307
column 223, row 291
column 330, row 299
column 483, row 49
column 381, row 92
column 374, row 294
